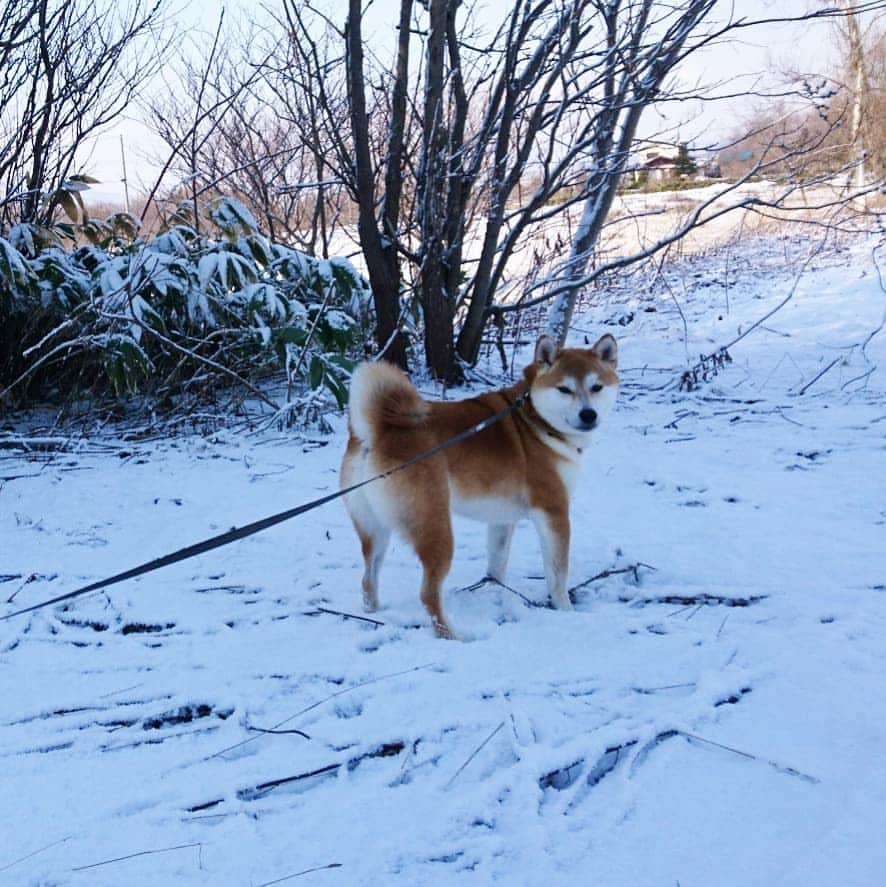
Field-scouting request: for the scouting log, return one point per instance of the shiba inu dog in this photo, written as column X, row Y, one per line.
column 525, row 465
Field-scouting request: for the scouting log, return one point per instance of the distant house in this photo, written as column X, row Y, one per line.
column 658, row 164
column 661, row 164
column 661, row 168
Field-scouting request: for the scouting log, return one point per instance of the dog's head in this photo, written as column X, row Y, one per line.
column 573, row 389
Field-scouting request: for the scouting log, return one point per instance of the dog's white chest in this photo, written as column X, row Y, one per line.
column 571, row 455
column 570, row 472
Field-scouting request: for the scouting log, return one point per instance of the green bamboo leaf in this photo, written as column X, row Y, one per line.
column 316, row 373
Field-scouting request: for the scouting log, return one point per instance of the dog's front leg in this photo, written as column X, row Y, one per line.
column 553, row 533
column 498, row 538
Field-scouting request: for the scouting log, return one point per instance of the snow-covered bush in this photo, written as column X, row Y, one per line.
column 208, row 301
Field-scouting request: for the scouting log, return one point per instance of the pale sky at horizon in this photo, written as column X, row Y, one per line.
column 802, row 46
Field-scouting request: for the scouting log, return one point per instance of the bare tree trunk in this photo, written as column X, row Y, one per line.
column 857, row 69
column 390, row 216
column 513, row 83
column 614, row 138
column 380, row 254
column 602, row 188
column 438, row 307
column 499, row 138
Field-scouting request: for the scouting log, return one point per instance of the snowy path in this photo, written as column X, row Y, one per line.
column 720, row 721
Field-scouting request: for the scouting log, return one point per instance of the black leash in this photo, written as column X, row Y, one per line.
column 259, row 525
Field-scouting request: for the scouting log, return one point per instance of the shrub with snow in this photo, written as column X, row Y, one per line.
column 207, row 301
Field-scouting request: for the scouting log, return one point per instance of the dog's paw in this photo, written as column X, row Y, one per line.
column 444, row 630
column 561, row 601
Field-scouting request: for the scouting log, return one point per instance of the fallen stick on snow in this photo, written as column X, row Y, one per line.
column 710, row 600
column 546, row 605
column 632, row 568
column 254, row 792
column 565, row 777
column 782, row 768
column 474, row 754
column 34, row 853
column 95, row 865
column 318, row 610
column 293, row 732
column 488, row 580
column 314, row 705
column 815, row 378
column 319, row 868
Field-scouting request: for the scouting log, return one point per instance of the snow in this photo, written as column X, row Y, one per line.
column 646, row 738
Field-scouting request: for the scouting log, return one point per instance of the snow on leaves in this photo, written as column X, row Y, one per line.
column 217, row 305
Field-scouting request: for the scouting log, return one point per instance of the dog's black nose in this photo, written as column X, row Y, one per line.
column 588, row 416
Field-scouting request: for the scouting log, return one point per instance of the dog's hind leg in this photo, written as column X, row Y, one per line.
column 434, row 547
column 498, row 538
column 436, row 563
column 373, row 531
column 374, row 544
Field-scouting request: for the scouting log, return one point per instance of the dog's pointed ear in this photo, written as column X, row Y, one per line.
column 607, row 350
column 545, row 351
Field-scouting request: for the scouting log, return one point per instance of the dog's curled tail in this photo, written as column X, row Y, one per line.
column 382, row 396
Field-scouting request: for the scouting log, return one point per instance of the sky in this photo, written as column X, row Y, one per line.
column 737, row 64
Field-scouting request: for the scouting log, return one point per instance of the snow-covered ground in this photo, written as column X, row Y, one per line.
column 715, row 716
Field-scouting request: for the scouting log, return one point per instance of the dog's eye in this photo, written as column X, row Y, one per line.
column 563, row 389
column 596, row 388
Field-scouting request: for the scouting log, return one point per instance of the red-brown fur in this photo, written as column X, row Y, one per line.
column 514, row 468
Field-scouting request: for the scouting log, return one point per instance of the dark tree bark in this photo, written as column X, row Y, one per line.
column 379, row 251
column 433, row 186
column 491, row 139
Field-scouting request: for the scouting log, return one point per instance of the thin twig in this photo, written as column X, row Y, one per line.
column 319, row 868
column 489, row 580
column 647, row 690
column 33, row 577
column 633, row 568
column 124, row 690
column 34, row 853
column 343, row 615
column 321, row 312
column 278, row 732
column 858, row 378
column 314, row 705
column 788, row 419
column 790, row 771
column 693, row 613
column 474, row 754
column 83, row 868
column 814, row 379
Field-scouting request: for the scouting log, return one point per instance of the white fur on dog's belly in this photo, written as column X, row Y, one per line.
column 489, row 509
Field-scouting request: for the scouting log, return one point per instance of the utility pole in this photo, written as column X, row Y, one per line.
column 125, row 180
